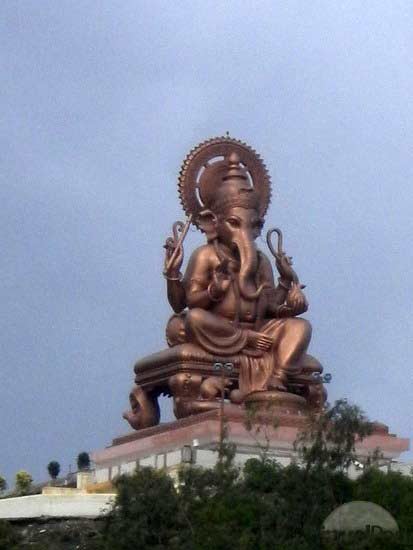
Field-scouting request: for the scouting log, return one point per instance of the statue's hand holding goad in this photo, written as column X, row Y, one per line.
column 296, row 299
column 173, row 260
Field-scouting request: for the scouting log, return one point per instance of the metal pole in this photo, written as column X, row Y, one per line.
column 221, row 416
column 222, row 367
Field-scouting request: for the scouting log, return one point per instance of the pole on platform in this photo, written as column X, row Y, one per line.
column 222, row 368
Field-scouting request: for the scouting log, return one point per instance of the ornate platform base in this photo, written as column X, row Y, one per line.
column 195, row 439
column 187, row 373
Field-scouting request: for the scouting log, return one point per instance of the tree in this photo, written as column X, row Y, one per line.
column 146, row 513
column 23, row 482
column 83, row 461
column 9, row 539
column 329, row 440
column 265, row 506
column 54, row 469
column 393, row 491
column 3, row 484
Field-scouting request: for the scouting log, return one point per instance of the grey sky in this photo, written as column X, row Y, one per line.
column 99, row 104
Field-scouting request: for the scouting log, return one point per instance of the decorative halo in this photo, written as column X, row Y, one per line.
column 209, row 152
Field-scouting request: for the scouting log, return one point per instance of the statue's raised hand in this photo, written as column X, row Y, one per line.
column 174, row 251
column 284, row 264
column 174, row 258
column 295, row 304
column 296, row 299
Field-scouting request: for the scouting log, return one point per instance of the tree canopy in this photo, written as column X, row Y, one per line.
column 83, row 461
column 23, row 482
column 262, row 506
column 3, row 484
column 53, row 468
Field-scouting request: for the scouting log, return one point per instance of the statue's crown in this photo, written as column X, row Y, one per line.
column 235, row 170
column 222, row 172
column 226, row 184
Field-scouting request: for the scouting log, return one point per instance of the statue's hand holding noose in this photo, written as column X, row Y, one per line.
column 296, row 302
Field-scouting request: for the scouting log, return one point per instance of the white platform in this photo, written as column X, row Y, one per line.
column 195, row 439
column 78, row 505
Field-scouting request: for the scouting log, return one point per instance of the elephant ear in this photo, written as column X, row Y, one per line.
column 208, row 223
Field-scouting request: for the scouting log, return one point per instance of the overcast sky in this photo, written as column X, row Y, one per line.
column 99, row 104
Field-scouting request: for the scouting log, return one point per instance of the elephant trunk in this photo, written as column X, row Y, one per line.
column 248, row 268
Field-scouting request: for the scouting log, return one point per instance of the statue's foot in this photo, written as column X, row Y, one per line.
column 258, row 342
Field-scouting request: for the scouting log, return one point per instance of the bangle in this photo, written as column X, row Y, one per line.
column 211, row 295
column 179, row 278
column 285, row 285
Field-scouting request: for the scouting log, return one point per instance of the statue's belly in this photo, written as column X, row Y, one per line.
column 248, row 310
column 228, row 307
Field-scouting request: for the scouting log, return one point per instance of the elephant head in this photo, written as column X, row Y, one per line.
column 233, row 220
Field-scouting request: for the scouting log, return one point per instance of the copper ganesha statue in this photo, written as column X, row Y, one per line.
column 227, row 306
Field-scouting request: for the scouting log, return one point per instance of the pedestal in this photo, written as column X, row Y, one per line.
column 195, row 439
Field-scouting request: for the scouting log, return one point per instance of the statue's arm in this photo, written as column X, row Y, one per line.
column 176, row 294
column 197, row 279
column 284, row 300
column 205, row 279
column 275, row 295
column 174, row 287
